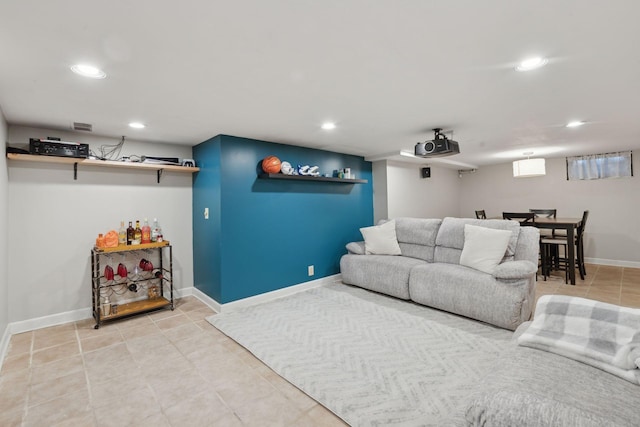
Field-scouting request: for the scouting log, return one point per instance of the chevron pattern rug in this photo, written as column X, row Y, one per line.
column 372, row 360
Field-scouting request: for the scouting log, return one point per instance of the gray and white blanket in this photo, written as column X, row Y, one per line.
column 603, row 335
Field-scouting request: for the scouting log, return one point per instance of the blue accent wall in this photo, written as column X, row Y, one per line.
column 262, row 234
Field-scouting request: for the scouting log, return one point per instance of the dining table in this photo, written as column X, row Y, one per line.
column 571, row 226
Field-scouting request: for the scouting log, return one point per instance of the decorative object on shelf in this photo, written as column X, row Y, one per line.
column 122, row 270
column 146, row 265
column 333, row 179
column 286, row 168
column 308, row 170
column 106, row 307
column 108, row 273
column 271, row 164
column 111, row 239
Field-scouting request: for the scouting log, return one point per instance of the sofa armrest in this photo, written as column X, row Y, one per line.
column 515, row 270
column 356, row 248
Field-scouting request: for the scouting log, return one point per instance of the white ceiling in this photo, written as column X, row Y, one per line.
column 386, row 72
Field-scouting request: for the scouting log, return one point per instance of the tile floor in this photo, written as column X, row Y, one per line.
column 172, row 368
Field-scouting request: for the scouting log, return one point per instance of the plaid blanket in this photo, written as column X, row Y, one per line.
column 603, row 335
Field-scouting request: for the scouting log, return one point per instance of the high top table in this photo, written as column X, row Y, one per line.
column 571, row 226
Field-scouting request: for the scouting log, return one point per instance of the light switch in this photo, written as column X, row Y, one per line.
column 206, row 213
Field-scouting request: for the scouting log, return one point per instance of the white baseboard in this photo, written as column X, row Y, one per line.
column 613, row 262
column 50, row 320
column 267, row 296
column 4, row 344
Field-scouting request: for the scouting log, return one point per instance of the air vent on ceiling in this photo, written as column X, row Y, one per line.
column 87, row 127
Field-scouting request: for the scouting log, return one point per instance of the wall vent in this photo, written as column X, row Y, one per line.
column 87, row 127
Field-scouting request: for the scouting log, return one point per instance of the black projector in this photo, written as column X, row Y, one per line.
column 438, row 147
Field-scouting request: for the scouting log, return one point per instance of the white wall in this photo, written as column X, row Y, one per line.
column 410, row 195
column 380, row 208
column 4, row 276
column 55, row 219
column 612, row 235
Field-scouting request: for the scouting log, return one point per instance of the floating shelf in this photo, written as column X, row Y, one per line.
column 311, row 178
column 100, row 163
column 125, row 248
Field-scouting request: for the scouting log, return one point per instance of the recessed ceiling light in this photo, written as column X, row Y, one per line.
column 137, row 125
column 531, row 64
column 575, row 124
column 88, row 71
column 328, row 125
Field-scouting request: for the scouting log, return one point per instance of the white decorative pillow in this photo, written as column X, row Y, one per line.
column 381, row 239
column 484, row 247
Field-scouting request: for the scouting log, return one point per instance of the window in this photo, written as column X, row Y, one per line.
column 597, row 166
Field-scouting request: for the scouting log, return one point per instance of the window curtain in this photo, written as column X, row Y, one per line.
column 598, row 166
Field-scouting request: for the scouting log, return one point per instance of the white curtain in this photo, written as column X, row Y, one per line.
column 597, row 166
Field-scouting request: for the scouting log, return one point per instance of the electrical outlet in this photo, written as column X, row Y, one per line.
column 310, row 270
column 206, row 213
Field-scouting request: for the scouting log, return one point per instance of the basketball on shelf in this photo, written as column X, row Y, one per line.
column 271, row 164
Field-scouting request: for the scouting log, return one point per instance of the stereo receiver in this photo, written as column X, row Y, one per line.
column 48, row 147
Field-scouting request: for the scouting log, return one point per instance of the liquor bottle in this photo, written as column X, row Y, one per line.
column 154, row 230
column 160, row 238
column 137, row 234
column 146, row 232
column 130, row 234
column 122, row 234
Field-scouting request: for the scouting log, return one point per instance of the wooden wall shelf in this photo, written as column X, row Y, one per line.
column 311, row 178
column 100, row 163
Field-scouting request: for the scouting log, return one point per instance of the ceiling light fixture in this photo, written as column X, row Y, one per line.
column 137, row 125
column 575, row 124
column 531, row 64
column 328, row 126
column 88, row 71
column 528, row 167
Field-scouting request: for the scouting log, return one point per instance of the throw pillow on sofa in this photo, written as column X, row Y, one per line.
column 483, row 247
column 381, row 239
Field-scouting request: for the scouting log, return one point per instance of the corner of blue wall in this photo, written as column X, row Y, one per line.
column 268, row 232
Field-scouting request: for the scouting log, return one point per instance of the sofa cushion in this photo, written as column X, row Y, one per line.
column 471, row 293
column 450, row 238
column 484, row 247
column 380, row 273
column 417, row 236
column 381, row 239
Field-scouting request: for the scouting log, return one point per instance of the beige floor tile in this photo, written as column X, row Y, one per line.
column 196, row 315
column 176, row 386
column 135, row 321
column 80, row 421
column 20, row 343
column 274, row 410
column 190, row 304
column 607, row 297
column 86, row 328
column 203, row 409
column 106, row 360
column 13, row 391
column 323, row 417
column 127, row 409
column 50, row 337
column 12, row 417
column 141, row 330
column 110, row 388
column 183, row 332
column 57, row 369
column 630, row 300
column 147, row 343
column 156, row 420
column 48, row 390
column 16, row 363
column 299, row 399
column 57, row 352
column 103, row 340
column 172, row 322
column 162, row 314
column 68, row 407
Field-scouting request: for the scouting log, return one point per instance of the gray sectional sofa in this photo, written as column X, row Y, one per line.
column 428, row 271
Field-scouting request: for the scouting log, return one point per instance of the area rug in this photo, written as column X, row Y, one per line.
column 372, row 360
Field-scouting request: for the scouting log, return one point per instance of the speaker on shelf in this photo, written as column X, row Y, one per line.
column 426, row 172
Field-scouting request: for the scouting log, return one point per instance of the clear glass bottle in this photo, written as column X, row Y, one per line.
column 146, row 232
column 122, row 234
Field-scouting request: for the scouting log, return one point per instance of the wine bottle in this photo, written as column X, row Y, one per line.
column 146, row 232
column 130, row 234
column 122, row 234
column 137, row 234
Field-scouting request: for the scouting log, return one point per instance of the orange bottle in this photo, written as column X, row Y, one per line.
column 146, row 232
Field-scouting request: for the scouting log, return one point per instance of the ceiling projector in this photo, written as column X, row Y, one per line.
column 438, row 147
